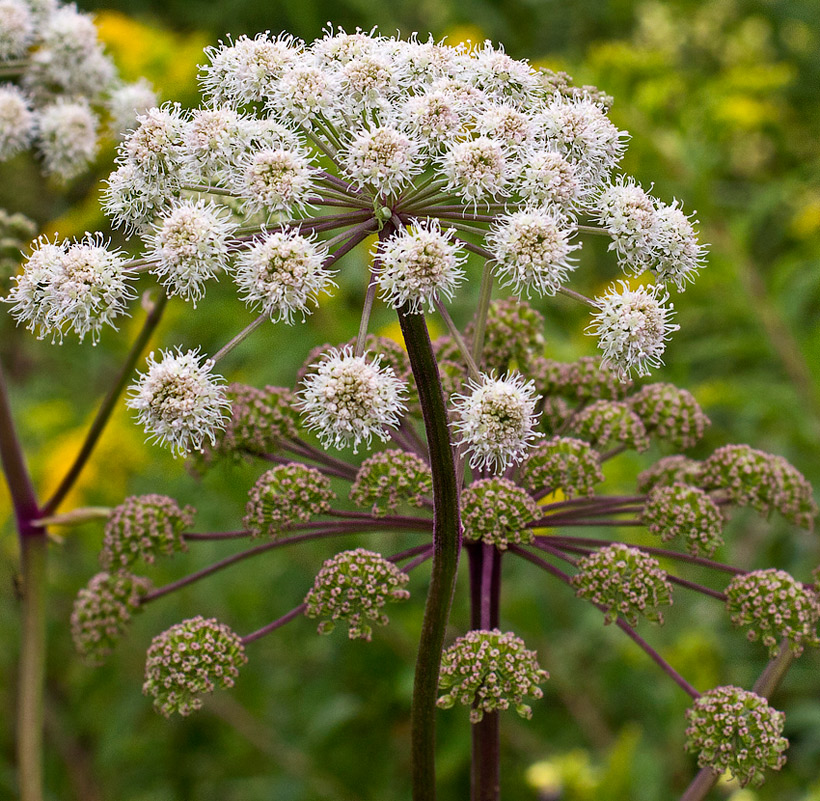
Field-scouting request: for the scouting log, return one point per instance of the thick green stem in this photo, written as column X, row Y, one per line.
column 446, row 545
column 33, row 629
column 32, row 668
column 107, row 407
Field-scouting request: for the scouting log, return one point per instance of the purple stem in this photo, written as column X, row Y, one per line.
column 567, row 542
column 328, row 531
column 278, row 623
column 620, row 622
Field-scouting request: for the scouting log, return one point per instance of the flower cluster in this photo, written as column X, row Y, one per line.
column 419, row 265
column 102, row 612
column 180, row 401
column 736, row 730
column 623, row 582
column 679, row 510
column 391, row 476
column 648, row 235
column 284, row 495
column 191, row 659
column 669, row 470
column 354, row 586
column 496, row 421
column 610, row 424
column 765, row 482
column 513, row 336
column 562, row 463
column 583, row 380
column 144, row 527
column 497, row 512
column 261, row 419
column 490, row 671
column 670, row 414
column 348, row 399
column 632, row 327
column 66, row 84
column 80, row 285
column 773, row 606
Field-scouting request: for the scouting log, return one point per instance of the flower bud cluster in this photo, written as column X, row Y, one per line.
column 734, row 730
column 679, row 510
column 260, row 420
column 513, row 336
column 490, row 671
column 497, row 512
column 496, row 421
column 284, row 495
column 773, row 607
column 624, row 582
column 608, row 424
column 582, row 380
column 354, row 586
column 670, row 414
column 144, row 527
column 669, row 470
column 390, row 477
column 761, row 480
column 191, row 659
column 102, row 612
column 562, row 463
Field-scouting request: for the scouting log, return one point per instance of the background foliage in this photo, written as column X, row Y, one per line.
column 722, row 101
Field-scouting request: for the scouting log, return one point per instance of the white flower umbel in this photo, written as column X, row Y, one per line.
column 531, row 249
column 549, row 179
column 129, row 200
column 628, row 214
column 67, row 137
column 90, row 289
column 282, row 273
column 80, row 286
column 179, row 401
column 16, row 122
column 126, row 102
column 495, row 421
column 581, row 131
column 31, row 298
column 304, row 92
column 241, row 72
column 434, row 117
column 155, row 145
column 499, row 75
column 191, row 244
column 632, row 327
column 507, row 124
column 348, row 399
column 212, row 140
column 679, row 254
column 274, row 180
column 419, row 264
column 383, row 157
column 16, row 29
column 476, row 169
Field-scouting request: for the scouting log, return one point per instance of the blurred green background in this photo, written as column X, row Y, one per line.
column 722, row 101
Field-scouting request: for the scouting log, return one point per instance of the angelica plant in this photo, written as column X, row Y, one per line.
column 467, row 166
